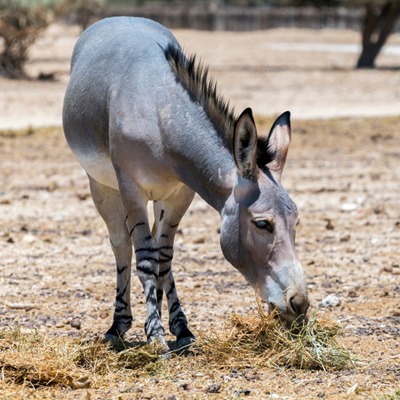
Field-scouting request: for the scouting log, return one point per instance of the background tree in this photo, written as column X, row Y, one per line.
column 379, row 22
column 83, row 12
column 380, row 18
column 21, row 22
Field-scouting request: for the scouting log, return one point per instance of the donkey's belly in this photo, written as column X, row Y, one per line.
column 99, row 167
column 154, row 185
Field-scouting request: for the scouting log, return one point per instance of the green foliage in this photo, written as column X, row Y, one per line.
column 23, row 5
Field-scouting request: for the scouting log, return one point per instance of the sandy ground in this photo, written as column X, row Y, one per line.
column 56, row 265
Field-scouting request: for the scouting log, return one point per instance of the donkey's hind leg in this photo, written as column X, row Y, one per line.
column 167, row 215
column 108, row 204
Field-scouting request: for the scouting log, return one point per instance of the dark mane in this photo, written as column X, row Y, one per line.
column 194, row 77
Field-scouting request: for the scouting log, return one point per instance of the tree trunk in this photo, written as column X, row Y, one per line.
column 378, row 25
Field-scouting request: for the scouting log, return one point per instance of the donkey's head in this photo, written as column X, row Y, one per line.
column 259, row 219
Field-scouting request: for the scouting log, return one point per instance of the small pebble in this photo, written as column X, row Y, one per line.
column 214, row 388
column 395, row 269
column 330, row 301
column 345, row 238
column 349, row 207
column 185, row 386
column 245, row 392
column 128, row 389
column 329, row 226
column 76, row 323
column 29, row 239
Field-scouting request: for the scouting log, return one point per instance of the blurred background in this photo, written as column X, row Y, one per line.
column 318, row 58
column 334, row 64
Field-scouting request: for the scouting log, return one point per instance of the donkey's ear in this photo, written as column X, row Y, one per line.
column 245, row 145
column 278, row 144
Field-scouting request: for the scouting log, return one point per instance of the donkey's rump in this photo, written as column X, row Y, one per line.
column 117, row 70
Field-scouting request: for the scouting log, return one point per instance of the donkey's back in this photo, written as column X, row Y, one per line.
column 113, row 45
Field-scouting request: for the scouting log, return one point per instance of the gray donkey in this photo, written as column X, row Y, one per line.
column 147, row 124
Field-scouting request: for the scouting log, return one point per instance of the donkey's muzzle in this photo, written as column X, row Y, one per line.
column 295, row 309
column 298, row 304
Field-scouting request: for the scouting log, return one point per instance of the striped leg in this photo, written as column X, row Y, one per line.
column 108, row 204
column 146, row 262
column 148, row 271
column 168, row 214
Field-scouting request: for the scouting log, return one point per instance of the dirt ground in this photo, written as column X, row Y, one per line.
column 57, row 270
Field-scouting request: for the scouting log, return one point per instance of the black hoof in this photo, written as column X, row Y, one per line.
column 184, row 344
column 115, row 341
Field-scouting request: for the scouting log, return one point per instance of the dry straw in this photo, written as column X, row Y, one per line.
column 264, row 341
column 34, row 359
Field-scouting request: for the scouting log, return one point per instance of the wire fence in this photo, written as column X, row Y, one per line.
column 233, row 18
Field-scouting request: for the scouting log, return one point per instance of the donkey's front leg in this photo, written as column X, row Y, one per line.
column 167, row 215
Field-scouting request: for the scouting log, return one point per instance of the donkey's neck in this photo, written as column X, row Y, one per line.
column 202, row 159
column 200, row 126
column 209, row 178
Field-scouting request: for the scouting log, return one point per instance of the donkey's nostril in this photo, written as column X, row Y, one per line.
column 295, row 306
column 299, row 304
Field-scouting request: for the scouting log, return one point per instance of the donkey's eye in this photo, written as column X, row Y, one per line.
column 265, row 225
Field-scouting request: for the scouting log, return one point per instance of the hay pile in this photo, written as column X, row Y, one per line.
column 35, row 360
column 263, row 341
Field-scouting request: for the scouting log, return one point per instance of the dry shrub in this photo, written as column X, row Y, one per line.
column 262, row 341
column 83, row 12
column 36, row 360
column 21, row 22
